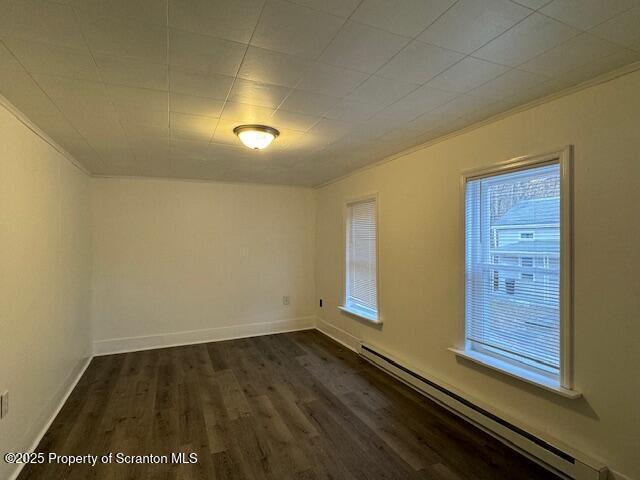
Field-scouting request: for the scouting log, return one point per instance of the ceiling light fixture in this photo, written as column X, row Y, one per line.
column 256, row 137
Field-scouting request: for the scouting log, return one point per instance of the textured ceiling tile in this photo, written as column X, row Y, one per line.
column 331, row 130
column 289, row 28
column 361, row 47
column 150, row 117
column 244, row 113
column 419, row 62
column 277, row 68
column 622, row 29
column 142, row 149
column 599, row 66
column 6, row 18
column 233, row 20
column 342, row 8
column 127, row 38
column 330, row 80
column 423, row 99
column 25, row 94
column 307, row 146
column 462, row 105
column 138, row 97
column 256, row 93
column 469, row 24
column 585, row 14
column 467, row 74
column 293, row 121
column 45, row 115
column 153, row 118
column 54, row 60
column 403, row 17
column 195, row 105
column 534, row 4
column 199, row 85
column 524, row 95
column 429, row 121
column 41, row 21
column 531, row 37
column 395, row 115
column 508, row 84
column 133, row 72
column 106, row 138
column 183, row 126
column 148, row 11
column 193, row 52
column 139, row 135
column 578, row 51
column 381, row 91
column 189, row 149
column 8, row 60
column 308, row 103
column 351, row 111
column 116, row 155
column 77, row 98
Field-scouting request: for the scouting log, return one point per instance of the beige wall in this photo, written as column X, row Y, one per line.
column 45, row 260
column 420, row 263
column 210, row 259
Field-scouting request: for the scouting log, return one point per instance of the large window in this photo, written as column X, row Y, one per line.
column 516, row 309
column 361, row 296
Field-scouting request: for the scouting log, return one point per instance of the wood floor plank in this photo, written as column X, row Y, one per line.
column 396, row 436
column 294, row 406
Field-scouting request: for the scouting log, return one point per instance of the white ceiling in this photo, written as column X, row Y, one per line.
column 155, row 87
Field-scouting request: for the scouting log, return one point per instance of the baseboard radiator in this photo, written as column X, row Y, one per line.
column 559, row 460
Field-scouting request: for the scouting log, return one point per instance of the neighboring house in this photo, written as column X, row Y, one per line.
column 525, row 248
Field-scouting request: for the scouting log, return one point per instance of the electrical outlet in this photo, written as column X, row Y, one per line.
column 4, row 404
column 285, row 300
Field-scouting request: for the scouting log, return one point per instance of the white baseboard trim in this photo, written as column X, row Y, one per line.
column 342, row 337
column 192, row 337
column 56, row 403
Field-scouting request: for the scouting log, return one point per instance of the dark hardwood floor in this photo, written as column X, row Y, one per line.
column 289, row 406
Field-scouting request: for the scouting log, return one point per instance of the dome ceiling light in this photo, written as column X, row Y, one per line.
column 256, row 137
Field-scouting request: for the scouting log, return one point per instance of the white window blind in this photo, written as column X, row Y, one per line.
column 512, row 267
column 361, row 268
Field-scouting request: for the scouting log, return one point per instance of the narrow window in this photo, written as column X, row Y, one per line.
column 361, row 296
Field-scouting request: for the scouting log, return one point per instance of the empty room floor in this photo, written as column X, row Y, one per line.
column 287, row 406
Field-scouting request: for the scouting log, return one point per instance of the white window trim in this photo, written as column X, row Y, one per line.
column 375, row 319
column 563, row 157
column 516, row 372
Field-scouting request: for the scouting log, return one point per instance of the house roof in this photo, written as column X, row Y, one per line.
column 535, row 211
column 551, row 247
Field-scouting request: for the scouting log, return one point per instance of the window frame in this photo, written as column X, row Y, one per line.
column 344, row 307
column 563, row 158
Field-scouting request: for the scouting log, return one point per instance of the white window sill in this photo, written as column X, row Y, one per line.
column 516, row 372
column 361, row 314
